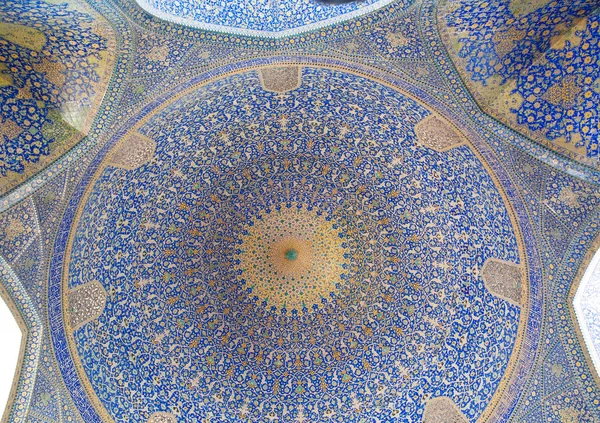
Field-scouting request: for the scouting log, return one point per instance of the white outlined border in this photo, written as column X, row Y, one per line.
column 588, row 279
column 12, row 337
column 16, row 297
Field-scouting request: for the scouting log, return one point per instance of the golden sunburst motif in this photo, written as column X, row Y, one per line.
column 292, row 258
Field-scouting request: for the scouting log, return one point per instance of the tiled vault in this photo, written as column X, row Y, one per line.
column 276, row 211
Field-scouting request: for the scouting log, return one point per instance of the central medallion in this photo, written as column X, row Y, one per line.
column 291, row 254
column 292, row 258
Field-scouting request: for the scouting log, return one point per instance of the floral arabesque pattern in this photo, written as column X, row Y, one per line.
column 180, row 332
column 535, row 69
column 50, row 60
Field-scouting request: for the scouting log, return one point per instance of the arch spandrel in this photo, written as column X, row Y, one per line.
column 531, row 65
column 58, row 61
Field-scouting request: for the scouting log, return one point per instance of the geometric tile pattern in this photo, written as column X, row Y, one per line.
column 293, row 258
column 231, row 154
column 273, row 18
column 17, row 231
column 31, row 326
column 530, row 64
column 398, row 39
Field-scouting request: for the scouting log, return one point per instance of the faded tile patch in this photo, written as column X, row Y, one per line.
column 435, row 133
column 503, row 279
column 86, row 303
column 281, row 79
column 135, row 151
column 162, row 418
column 443, row 410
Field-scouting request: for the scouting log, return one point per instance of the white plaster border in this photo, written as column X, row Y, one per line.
column 26, row 315
column 590, row 277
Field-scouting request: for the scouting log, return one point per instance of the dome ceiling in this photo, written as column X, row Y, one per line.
column 224, row 213
column 307, row 251
column 263, row 18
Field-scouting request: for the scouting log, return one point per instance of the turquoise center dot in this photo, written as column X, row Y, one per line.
column 291, row 254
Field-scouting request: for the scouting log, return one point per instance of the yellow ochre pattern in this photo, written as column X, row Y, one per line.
column 292, row 258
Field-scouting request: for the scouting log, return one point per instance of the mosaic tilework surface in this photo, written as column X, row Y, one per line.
column 30, row 324
column 54, row 64
column 561, row 386
column 533, row 65
column 562, row 208
column 41, row 394
column 293, row 258
column 358, row 354
column 217, row 49
column 564, row 238
column 270, row 18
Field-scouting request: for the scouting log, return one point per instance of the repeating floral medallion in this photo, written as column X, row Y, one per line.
column 293, row 256
column 55, row 62
column 533, row 65
column 265, row 18
column 219, row 311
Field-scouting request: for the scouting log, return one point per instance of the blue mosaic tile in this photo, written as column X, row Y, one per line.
column 556, row 371
column 271, row 371
column 534, row 415
column 53, row 60
column 533, row 65
column 356, row 48
column 27, row 269
column 557, row 219
column 44, row 401
column 272, row 18
column 398, row 39
column 157, row 54
column 17, row 229
column 568, row 406
column 48, row 199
